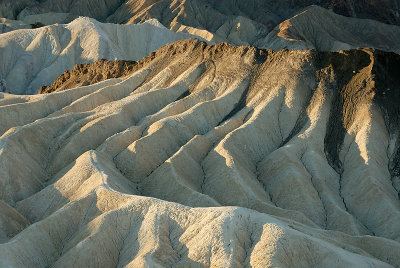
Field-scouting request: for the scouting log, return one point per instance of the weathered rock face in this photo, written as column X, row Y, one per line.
column 143, row 169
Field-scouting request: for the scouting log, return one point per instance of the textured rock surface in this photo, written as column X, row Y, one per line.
column 91, row 73
column 209, row 155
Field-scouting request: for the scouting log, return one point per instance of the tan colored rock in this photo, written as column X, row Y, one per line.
column 209, row 156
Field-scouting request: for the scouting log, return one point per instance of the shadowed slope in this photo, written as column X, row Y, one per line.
column 182, row 11
column 323, row 30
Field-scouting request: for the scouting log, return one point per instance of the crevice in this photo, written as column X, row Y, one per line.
column 246, row 259
column 258, row 174
column 83, row 221
column 341, row 191
column 318, row 193
column 279, row 114
column 238, row 106
column 203, row 183
column 301, row 120
column 123, row 240
column 184, row 95
column 341, row 178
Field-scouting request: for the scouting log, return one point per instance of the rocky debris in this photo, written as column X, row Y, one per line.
column 90, row 73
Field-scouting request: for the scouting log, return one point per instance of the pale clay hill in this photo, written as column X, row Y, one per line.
column 31, row 58
column 214, row 156
column 36, row 57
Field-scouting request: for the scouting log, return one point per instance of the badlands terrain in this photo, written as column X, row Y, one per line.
column 157, row 145
column 32, row 58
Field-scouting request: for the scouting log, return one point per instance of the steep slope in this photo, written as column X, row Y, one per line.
column 144, row 170
column 33, row 58
column 320, row 29
column 91, row 73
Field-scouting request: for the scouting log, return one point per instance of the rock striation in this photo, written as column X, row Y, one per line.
column 208, row 156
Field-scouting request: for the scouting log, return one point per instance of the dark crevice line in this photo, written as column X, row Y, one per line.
column 341, row 178
column 183, row 95
column 301, row 120
column 258, row 174
column 279, row 113
column 341, row 192
column 248, row 248
column 318, row 193
column 214, row 145
column 92, row 202
column 238, row 106
column 203, row 183
column 124, row 240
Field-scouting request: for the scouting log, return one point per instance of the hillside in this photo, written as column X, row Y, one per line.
column 238, row 22
column 222, row 155
column 322, row 30
column 31, row 58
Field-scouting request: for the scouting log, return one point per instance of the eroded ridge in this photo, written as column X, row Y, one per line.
column 208, row 155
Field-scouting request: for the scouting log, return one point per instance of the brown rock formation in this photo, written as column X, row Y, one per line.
column 91, row 73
